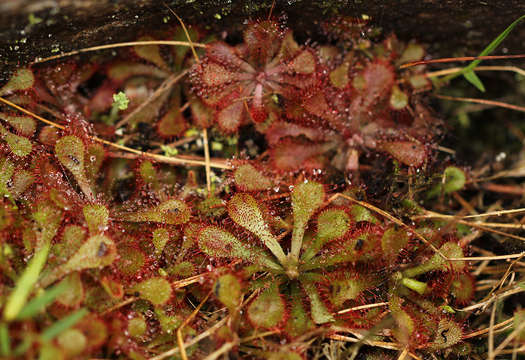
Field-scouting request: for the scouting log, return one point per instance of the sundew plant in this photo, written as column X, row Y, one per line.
column 198, row 196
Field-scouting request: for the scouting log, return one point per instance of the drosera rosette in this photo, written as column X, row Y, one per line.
column 371, row 105
column 337, row 255
column 243, row 83
column 153, row 79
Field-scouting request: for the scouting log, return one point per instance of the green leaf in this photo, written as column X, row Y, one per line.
column 349, row 288
column 156, row 290
column 70, row 151
column 331, row 224
column 97, row 217
column 474, row 80
column 228, row 290
column 5, row 340
column 320, row 313
column 19, row 145
column 22, row 79
column 62, row 325
column 160, row 239
column 418, row 286
column 243, row 209
column 299, row 321
column 120, row 100
column 392, row 242
column 23, row 125
column 7, row 170
column 268, row 309
column 39, row 303
column 248, row 178
column 452, row 331
column 307, row 197
column 75, row 290
column 24, row 285
column 451, row 250
column 489, row 49
column 97, row 251
column 215, row 242
column 172, row 212
column 73, row 342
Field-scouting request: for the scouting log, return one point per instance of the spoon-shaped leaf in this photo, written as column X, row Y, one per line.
column 248, row 178
column 331, row 224
column 22, row 79
column 70, row 152
column 96, row 218
column 243, row 209
column 306, row 199
column 97, row 251
column 320, row 313
column 172, row 212
column 19, row 145
column 157, row 290
column 268, row 309
column 219, row 243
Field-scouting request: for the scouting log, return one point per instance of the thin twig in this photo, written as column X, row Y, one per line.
column 491, row 213
column 491, row 330
column 119, row 305
column 160, row 158
column 118, row 45
column 190, row 42
column 180, row 341
column 362, row 307
column 482, row 101
column 509, row 338
column 478, row 68
column 193, row 341
column 487, row 302
column 461, row 59
column 486, row 330
column 403, row 354
column 207, row 159
column 188, row 281
column 220, row 351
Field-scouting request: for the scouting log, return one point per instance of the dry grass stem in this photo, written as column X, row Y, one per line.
column 461, row 59
column 454, row 70
column 118, row 45
column 160, row 158
column 363, row 307
column 482, row 101
column 180, row 341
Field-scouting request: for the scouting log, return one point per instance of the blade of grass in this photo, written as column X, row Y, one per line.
column 5, row 341
column 39, row 303
column 468, row 71
column 63, row 324
column 18, row 298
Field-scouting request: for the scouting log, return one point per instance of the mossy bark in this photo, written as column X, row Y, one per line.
column 40, row 28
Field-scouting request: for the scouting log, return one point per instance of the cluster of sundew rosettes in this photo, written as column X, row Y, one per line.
column 310, row 101
column 331, row 256
column 88, row 250
column 335, row 255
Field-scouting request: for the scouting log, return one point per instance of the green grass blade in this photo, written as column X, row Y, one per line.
column 5, row 341
column 63, row 324
column 489, row 49
column 474, row 80
column 37, row 304
column 18, row 298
